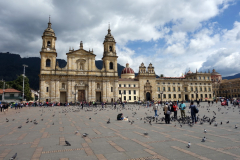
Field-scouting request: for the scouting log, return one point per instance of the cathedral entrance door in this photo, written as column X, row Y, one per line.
column 98, row 96
column 148, row 96
column 81, row 95
column 186, row 97
column 63, row 97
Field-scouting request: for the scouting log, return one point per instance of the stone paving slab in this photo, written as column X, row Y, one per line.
column 119, row 139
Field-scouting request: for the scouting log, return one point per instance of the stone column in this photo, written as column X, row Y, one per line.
column 42, row 91
column 93, row 91
column 115, row 91
column 89, row 90
column 52, row 91
column 104, row 91
column 57, row 92
column 69, row 91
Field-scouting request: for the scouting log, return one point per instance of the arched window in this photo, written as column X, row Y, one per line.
column 48, row 43
column 48, row 63
column 110, row 48
column 98, row 86
column 63, row 85
column 111, row 65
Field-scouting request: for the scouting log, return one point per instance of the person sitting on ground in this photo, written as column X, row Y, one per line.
column 120, row 116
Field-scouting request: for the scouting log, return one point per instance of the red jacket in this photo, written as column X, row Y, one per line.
column 175, row 107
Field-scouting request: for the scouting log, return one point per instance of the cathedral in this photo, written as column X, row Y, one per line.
column 80, row 80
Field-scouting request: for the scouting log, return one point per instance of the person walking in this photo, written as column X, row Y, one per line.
column 193, row 112
column 155, row 109
column 182, row 107
column 175, row 108
column 167, row 113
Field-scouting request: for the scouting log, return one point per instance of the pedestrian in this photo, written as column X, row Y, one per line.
column 208, row 103
column 155, row 109
column 167, row 113
column 175, row 108
column 82, row 104
column 1, row 106
column 115, row 105
column 193, row 112
column 182, row 107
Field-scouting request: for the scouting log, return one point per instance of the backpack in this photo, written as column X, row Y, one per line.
column 196, row 110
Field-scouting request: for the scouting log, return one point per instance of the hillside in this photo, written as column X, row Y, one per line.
column 232, row 77
column 11, row 67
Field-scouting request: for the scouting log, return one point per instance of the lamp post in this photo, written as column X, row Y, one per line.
column 3, row 90
column 196, row 94
column 23, row 78
column 161, row 97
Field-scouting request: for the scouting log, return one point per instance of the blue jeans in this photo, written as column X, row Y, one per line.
column 156, row 115
column 194, row 117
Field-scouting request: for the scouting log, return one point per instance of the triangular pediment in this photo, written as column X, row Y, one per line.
column 81, row 52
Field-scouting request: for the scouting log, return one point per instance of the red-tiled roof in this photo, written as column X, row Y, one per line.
column 9, row 90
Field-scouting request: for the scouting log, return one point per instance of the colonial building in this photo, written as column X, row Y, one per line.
column 80, row 79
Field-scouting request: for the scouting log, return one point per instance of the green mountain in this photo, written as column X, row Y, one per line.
column 11, row 66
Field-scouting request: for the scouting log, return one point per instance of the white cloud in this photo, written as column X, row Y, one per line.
column 180, row 24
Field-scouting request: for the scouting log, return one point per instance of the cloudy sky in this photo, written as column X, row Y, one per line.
column 173, row 35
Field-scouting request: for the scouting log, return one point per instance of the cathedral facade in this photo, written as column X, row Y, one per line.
column 80, row 79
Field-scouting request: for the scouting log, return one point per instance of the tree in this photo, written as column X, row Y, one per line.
column 18, row 85
column 161, row 75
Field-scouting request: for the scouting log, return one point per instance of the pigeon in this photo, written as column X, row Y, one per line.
column 145, row 133
column 76, row 132
column 180, row 125
column 85, row 135
column 205, row 131
column 42, row 119
column 189, row 145
column 90, row 118
column 221, row 123
column 108, row 121
column 67, row 143
column 13, row 157
column 13, row 119
column 20, row 126
column 227, row 121
column 53, row 123
column 216, row 124
column 35, row 123
column 204, row 139
column 236, row 126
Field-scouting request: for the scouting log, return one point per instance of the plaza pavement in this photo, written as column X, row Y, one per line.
column 118, row 140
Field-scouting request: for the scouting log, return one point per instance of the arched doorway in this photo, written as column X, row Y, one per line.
column 148, row 96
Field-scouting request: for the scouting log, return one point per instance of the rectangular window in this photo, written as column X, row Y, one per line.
column 135, row 98
column 11, row 95
column 191, row 88
column 129, row 98
column 164, row 95
column 174, row 89
column 47, row 89
column 178, row 88
column 169, row 95
column 210, row 96
column 205, row 95
column 179, row 95
column 209, row 89
column 111, row 89
column 129, row 85
column 192, row 96
column 200, row 88
column 124, row 92
column 185, row 89
column 134, row 85
column 120, row 85
column 201, row 95
column 169, row 89
column 134, row 91
column 119, row 91
column 174, row 96
column 163, row 88
column 205, row 89
column 158, row 95
column 158, row 88
column 129, row 92
column 196, row 89
column 124, row 85
column 124, row 97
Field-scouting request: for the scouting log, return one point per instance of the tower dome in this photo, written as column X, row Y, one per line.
column 127, row 72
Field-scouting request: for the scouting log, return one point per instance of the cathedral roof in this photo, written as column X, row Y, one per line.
column 127, row 70
column 109, row 37
column 49, row 29
column 214, row 73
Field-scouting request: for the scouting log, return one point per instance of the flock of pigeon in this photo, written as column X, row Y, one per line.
column 148, row 118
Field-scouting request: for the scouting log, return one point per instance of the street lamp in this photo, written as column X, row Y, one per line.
column 196, row 94
column 23, row 78
column 3, row 90
column 161, row 97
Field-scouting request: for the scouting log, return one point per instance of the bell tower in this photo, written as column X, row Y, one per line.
column 109, row 53
column 48, row 52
